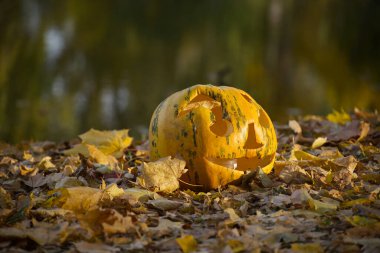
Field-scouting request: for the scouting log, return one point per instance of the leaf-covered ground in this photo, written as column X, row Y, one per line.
column 322, row 196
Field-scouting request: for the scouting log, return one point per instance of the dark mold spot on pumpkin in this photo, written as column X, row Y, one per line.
column 194, row 132
column 184, row 133
column 238, row 125
column 212, row 117
column 175, row 110
column 191, row 154
column 154, row 128
column 222, row 152
column 187, row 97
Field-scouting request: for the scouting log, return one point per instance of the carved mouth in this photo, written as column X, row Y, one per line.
column 228, row 163
column 242, row 163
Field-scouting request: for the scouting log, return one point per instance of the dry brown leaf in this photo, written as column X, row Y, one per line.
column 165, row 204
column 162, row 175
column 232, row 214
column 307, row 248
column 35, row 181
column 295, row 174
column 165, row 226
column 42, row 232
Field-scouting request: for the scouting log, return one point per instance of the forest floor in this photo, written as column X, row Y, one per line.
column 323, row 195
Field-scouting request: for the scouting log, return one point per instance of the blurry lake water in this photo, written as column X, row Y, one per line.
column 67, row 66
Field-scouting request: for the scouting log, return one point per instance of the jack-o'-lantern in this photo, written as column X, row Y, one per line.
column 220, row 132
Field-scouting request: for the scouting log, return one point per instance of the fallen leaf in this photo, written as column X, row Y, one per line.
column 6, row 161
column 323, row 207
column 51, row 212
column 112, row 191
column 165, row 226
column 5, row 199
column 232, row 215
column 295, row 174
column 348, row 132
column 187, row 243
column 236, row 246
column 331, row 153
column 348, row 163
column 35, row 181
column 45, row 233
column 28, row 171
column 119, row 224
column 281, row 200
column 162, row 175
column 295, row 126
column 297, row 154
column 361, row 221
column 46, row 164
column 319, row 142
column 87, row 247
column 92, row 152
column 79, row 199
column 339, row 117
column 351, row 203
column 42, row 233
column 165, row 204
column 141, row 195
column 300, row 196
column 370, row 245
column 364, row 130
column 263, row 178
column 67, row 182
column 307, row 248
column 109, row 142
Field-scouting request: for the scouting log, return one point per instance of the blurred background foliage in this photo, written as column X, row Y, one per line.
column 67, row 66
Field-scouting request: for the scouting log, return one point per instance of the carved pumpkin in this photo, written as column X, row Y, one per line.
column 220, row 132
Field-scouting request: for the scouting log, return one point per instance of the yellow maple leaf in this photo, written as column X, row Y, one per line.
column 93, row 152
column 187, row 243
column 339, row 117
column 109, row 142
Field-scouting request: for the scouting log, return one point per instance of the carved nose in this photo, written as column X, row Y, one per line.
column 255, row 137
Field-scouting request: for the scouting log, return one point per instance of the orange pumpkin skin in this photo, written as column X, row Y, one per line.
column 220, row 132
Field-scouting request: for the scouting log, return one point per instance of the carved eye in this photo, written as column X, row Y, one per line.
column 220, row 126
